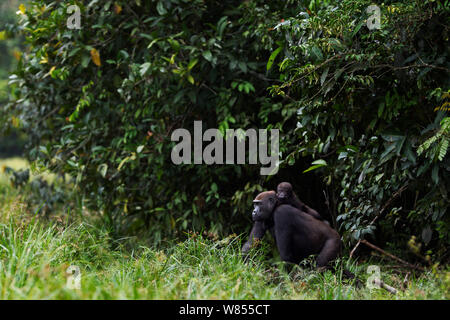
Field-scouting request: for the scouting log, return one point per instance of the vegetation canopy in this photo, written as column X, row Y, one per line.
column 364, row 131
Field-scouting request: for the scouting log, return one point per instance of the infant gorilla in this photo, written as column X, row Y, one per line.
column 286, row 195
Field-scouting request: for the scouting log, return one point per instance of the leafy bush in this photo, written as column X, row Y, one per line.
column 100, row 103
column 366, row 100
column 10, row 47
column 40, row 196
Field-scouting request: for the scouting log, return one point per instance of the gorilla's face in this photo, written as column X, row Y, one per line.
column 284, row 191
column 263, row 207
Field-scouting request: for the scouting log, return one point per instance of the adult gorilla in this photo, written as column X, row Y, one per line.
column 296, row 233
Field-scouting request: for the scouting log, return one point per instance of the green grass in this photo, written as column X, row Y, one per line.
column 35, row 255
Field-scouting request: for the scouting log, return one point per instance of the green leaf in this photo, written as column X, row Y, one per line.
column 243, row 66
column 380, row 109
column 272, row 57
column 316, row 53
column 316, row 164
column 357, row 28
column 338, row 73
column 410, row 153
column 324, row 75
column 342, row 155
column 320, row 161
column 160, row 8
column 103, row 168
column 399, row 145
column 123, row 54
column 313, row 168
column 144, row 68
column 207, row 55
column 175, row 44
column 443, row 149
column 221, row 25
column 151, row 44
column 435, row 174
column 85, row 61
column 192, row 64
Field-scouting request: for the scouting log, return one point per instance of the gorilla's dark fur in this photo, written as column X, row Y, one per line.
column 297, row 234
column 286, row 195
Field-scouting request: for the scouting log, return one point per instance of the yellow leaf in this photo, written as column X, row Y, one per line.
column 44, row 60
column 17, row 54
column 15, row 122
column 117, row 8
column 95, row 55
column 191, row 79
column 22, row 8
column 51, row 71
column 2, row 35
column 122, row 163
column 172, row 59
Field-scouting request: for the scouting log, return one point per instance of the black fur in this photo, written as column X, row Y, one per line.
column 285, row 195
column 297, row 234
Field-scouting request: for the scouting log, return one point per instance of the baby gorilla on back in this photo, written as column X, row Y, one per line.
column 286, row 195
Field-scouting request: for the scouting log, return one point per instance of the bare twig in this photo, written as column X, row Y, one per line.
column 383, row 285
column 396, row 266
column 262, row 77
column 390, row 255
column 354, row 248
column 424, row 65
column 313, row 69
column 48, row 115
column 405, row 281
column 388, row 203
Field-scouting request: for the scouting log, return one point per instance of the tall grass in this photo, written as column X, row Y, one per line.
column 35, row 254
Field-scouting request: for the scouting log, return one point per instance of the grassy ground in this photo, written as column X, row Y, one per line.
column 35, row 255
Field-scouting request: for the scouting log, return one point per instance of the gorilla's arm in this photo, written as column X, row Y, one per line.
column 258, row 231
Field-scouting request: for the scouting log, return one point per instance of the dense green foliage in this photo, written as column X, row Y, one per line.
column 100, row 103
column 8, row 44
column 10, row 50
column 110, row 129
column 366, row 99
